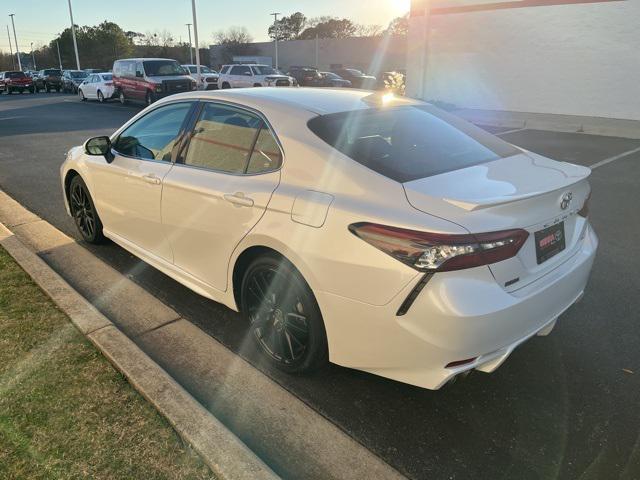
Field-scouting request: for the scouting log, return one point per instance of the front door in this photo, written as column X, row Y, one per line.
column 219, row 189
column 129, row 189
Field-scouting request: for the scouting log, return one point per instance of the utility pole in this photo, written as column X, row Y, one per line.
column 418, row 49
column 13, row 61
column 317, row 52
column 73, row 32
column 15, row 38
column 276, row 30
column 59, row 57
column 190, row 44
column 33, row 57
column 195, row 37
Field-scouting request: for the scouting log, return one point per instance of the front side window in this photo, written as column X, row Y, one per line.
column 409, row 143
column 223, row 139
column 225, row 69
column 106, row 77
column 153, row 136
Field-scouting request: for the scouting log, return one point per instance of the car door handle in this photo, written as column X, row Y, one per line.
column 151, row 178
column 239, row 199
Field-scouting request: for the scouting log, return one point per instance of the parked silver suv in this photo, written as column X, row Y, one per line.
column 246, row 75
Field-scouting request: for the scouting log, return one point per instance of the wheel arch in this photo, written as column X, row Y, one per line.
column 68, row 178
column 249, row 252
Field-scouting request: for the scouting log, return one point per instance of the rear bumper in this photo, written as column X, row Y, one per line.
column 457, row 316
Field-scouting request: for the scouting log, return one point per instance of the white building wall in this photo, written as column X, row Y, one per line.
column 581, row 59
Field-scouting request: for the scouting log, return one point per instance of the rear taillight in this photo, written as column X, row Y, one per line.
column 431, row 252
column 584, row 211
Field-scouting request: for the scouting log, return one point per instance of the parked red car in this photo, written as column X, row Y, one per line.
column 148, row 79
column 16, row 82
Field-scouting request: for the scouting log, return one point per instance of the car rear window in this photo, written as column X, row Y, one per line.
column 107, row 77
column 408, row 143
column 15, row 75
column 53, row 72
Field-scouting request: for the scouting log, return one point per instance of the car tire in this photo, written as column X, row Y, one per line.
column 47, row 88
column 100, row 97
column 150, row 98
column 285, row 320
column 9, row 92
column 84, row 212
column 225, row 85
column 122, row 98
column 81, row 95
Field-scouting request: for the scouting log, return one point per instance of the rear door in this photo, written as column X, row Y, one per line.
column 219, row 189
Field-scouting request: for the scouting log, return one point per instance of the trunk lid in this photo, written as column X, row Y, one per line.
column 523, row 191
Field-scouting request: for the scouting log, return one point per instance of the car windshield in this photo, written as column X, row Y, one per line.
column 264, row 70
column 355, row 73
column 163, row 68
column 79, row 74
column 53, row 72
column 409, row 143
column 15, row 75
column 106, row 77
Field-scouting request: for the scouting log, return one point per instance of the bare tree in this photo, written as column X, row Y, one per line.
column 368, row 30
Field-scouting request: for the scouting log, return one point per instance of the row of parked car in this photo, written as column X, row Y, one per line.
column 148, row 79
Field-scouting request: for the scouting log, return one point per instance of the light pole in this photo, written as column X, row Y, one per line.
column 190, row 44
column 275, row 28
column 59, row 57
column 195, row 37
column 33, row 57
column 15, row 38
column 13, row 62
column 73, row 32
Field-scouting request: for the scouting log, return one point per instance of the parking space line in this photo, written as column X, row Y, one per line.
column 511, row 131
column 613, row 159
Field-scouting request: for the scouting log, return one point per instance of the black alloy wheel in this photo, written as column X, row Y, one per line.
column 100, row 97
column 285, row 320
column 84, row 212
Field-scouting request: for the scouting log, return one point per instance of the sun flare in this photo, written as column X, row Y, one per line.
column 400, row 7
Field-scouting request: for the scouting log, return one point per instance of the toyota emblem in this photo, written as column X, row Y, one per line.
column 566, row 200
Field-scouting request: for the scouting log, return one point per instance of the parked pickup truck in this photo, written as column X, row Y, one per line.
column 49, row 79
column 15, row 82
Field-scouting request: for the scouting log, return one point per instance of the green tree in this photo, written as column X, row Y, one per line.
column 289, row 28
column 330, row 28
column 399, row 26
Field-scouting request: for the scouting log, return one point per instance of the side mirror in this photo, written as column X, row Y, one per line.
column 99, row 146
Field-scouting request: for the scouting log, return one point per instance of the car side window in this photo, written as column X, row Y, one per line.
column 266, row 155
column 240, row 70
column 222, row 139
column 153, row 136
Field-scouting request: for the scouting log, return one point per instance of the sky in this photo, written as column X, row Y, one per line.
column 39, row 21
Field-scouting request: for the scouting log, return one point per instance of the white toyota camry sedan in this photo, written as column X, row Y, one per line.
column 376, row 232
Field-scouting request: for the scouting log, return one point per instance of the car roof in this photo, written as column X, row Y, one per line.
column 142, row 59
column 321, row 101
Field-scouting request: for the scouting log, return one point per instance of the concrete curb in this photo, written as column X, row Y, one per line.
column 221, row 450
column 612, row 127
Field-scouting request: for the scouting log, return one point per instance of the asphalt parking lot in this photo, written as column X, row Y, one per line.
column 562, row 407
